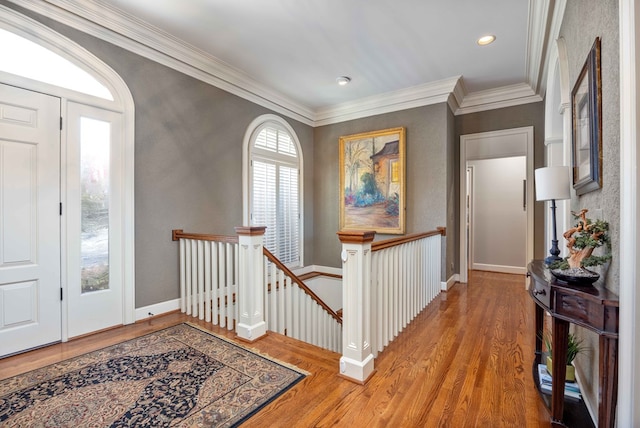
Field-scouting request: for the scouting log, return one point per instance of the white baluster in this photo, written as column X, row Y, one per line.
column 215, row 285
column 289, row 308
column 229, row 288
column 222, row 281
column 183, row 279
column 188, row 276
column 200, row 262
column 207, row 280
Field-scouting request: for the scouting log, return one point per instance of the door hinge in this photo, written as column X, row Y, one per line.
column 60, row 208
column 61, row 123
column 60, row 293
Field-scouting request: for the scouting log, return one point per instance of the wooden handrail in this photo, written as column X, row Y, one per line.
column 387, row 243
column 273, row 259
column 177, row 234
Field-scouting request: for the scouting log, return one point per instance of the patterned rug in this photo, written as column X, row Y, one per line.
column 177, row 377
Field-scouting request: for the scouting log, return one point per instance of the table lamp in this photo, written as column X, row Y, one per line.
column 553, row 183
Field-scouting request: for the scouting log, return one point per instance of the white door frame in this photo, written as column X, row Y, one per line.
column 629, row 352
column 467, row 139
column 122, row 102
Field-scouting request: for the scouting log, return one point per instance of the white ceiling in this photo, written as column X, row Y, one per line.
column 395, row 51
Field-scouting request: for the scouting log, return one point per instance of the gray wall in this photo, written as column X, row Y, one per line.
column 427, row 134
column 583, row 21
column 188, row 160
column 506, row 118
column 602, row 17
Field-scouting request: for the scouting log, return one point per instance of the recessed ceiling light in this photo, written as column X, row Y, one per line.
column 486, row 40
column 343, row 80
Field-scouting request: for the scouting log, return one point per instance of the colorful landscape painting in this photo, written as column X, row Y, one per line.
column 372, row 170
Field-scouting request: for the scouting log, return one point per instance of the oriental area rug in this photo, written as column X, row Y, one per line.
column 177, row 377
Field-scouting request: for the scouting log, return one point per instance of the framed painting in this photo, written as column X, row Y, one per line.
column 586, row 106
column 372, row 181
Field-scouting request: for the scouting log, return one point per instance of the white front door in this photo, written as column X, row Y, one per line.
column 30, row 291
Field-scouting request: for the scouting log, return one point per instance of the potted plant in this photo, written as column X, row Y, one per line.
column 574, row 347
column 582, row 240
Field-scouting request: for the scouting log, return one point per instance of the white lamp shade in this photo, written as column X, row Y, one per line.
column 553, row 182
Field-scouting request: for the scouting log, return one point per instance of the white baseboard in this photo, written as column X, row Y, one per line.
column 500, row 268
column 446, row 285
column 157, row 309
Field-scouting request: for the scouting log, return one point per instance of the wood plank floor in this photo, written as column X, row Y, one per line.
column 465, row 361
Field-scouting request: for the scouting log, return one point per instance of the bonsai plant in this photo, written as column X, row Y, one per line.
column 574, row 347
column 582, row 240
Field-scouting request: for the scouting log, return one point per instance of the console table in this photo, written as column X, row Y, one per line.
column 592, row 307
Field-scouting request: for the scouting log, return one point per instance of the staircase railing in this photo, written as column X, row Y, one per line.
column 293, row 309
column 405, row 278
column 210, row 271
column 385, row 285
column 209, row 277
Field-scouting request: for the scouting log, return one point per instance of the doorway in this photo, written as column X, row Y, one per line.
column 483, row 150
column 94, row 288
column 497, row 214
column 33, row 254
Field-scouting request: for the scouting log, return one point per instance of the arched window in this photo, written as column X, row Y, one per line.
column 273, row 197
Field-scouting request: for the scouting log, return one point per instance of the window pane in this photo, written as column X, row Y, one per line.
column 288, row 216
column 23, row 57
column 285, row 144
column 94, row 180
column 264, row 201
column 267, row 139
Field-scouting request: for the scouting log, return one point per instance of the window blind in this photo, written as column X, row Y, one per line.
column 275, row 193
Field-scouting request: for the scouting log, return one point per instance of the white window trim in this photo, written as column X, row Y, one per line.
column 254, row 127
column 123, row 103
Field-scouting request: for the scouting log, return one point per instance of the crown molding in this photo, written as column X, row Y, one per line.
column 416, row 96
column 553, row 51
column 506, row 96
column 112, row 25
column 536, row 42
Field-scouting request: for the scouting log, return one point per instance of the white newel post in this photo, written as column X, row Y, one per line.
column 250, row 298
column 356, row 362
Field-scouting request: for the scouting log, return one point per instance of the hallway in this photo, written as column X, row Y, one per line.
column 465, row 361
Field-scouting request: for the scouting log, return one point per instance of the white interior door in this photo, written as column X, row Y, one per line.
column 30, row 307
column 499, row 216
column 94, row 189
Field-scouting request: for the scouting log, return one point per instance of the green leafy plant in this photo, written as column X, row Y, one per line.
column 574, row 346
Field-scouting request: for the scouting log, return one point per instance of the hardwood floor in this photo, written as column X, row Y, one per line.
column 465, row 361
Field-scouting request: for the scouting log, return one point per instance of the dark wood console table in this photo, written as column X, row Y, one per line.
column 593, row 307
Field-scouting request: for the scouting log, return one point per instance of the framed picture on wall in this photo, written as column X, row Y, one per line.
column 586, row 107
column 372, row 181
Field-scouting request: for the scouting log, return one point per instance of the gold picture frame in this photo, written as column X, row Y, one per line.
column 372, row 181
column 586, row 141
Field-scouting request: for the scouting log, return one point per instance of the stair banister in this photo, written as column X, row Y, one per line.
column 356, row 362
column 251, row 324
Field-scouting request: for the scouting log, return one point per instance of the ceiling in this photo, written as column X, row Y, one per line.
column 289, row 52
